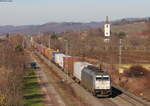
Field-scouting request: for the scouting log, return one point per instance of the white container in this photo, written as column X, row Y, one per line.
column 61, row 60
column 57, row 58
column 78, row 67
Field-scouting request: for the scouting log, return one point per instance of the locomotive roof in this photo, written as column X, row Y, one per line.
column 96, row 70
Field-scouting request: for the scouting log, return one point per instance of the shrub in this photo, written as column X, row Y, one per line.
column 19, row 48
column 136, row 71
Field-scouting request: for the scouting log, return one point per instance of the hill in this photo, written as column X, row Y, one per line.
column 127, row 25
column 49, row 27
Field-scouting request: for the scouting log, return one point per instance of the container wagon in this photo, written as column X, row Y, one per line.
column 58, row 58
column 78, row 67
column 96, row 81
column 49, row 53
column 69, row 64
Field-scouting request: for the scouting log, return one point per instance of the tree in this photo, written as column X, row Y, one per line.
column 19, row 48
column 54, row 37
column 11, row 72
column 121, row 35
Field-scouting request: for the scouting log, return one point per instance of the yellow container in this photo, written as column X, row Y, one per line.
column 49, row 53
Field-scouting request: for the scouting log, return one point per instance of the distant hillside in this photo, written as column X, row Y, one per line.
column 50, row 27
column 126, row 24
column 131, row 29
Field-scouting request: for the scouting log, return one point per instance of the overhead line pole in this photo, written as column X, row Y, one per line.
column 66, row 52
column 66, row 47
column 120, row 54
column 49, row 41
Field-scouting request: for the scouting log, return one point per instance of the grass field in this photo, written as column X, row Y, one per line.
column 32, row 93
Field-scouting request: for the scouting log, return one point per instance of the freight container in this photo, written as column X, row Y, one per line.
column 46, row 52
column 34, row 45
column 69, row 64
column 78, row 67
column 49, row 53
column 54, row 55
column 43, row 50
column 62, row 60
column 58, row 58
column 40, row 48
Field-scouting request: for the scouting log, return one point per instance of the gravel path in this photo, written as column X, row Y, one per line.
column 52, row 97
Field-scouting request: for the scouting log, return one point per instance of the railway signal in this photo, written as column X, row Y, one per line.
column 49, row 41
column 107, row 28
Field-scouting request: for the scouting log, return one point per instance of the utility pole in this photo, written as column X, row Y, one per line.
column 49, row 41
column 31, row 41
column 120, row 54
column 121, row 35
column 23, row 42
column 66, row 47
column 66, row 52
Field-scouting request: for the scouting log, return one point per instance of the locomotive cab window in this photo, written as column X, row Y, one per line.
column 105, row 78
column 98, row 78
column 102, row 78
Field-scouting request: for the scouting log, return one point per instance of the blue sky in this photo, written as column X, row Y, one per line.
column 23, row 12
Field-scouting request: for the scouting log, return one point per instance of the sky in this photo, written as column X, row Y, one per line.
column 26, row 12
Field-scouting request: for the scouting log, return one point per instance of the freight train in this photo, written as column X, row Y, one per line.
column 95, row 80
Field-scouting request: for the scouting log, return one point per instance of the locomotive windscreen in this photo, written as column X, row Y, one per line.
column 102, row 78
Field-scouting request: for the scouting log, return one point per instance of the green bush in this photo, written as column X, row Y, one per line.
column 19, row 48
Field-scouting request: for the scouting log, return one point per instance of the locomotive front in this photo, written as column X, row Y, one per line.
column 102, row 84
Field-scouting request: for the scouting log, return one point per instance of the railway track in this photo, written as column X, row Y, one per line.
column 125, row 100
column 133, row 99
column 118, row 98
column 121, row 99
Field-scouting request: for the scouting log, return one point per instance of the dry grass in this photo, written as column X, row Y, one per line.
column 132, row 28
column 137, row 80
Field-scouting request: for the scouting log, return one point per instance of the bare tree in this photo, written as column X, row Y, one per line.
column 11, row 72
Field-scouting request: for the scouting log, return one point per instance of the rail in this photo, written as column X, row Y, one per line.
column 133, row 96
